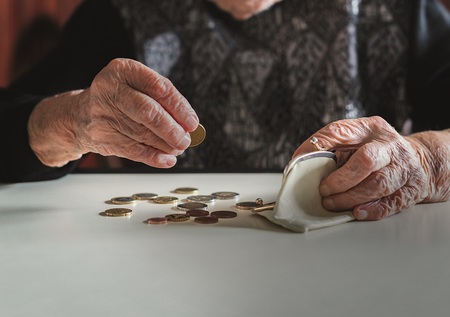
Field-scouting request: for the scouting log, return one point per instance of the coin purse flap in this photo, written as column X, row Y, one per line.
column 299, row 204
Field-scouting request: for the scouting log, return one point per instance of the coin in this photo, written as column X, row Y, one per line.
column 223, row 214
column 123, row 200
column 144, row 196
column 157, row 220
column 225, row 195
column 202, row 198
column 198, row 135
column 165, row 200
column 197, row 213
column 206, row 220
column 117, row 212
column 192, row 205
column 177, row 217
column 186, row 190
column 247, row 205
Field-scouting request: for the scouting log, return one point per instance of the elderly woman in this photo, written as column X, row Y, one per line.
column 366, row 79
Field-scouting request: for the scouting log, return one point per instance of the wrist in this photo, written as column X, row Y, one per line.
column 433, row 148
column 52, row 129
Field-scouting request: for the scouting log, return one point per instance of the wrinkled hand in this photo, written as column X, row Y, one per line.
column 128, row 111
column 381, row 172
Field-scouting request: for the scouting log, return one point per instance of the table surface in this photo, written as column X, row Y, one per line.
column 60, row 257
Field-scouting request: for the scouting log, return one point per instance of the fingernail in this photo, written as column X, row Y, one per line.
column 324, row 190
column 185, row 142
column 171, row 161
column 191, row 122
column 361, row 214
column 328, row 203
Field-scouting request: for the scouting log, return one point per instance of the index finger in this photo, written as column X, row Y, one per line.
column 157, row 87
column 346, row 135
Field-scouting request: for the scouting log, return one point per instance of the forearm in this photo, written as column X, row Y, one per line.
column 434, row 150
column 18, row 162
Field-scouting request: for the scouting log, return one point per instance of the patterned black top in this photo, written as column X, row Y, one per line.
column 263, row 85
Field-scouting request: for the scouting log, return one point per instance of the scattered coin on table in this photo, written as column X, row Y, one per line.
column 192, row 205
column 117, row 212
column 197, row 213
column 123, row 200
column 177, row 217
column 202, row 198
column 247, row 205
column 186, row 190
column 165, row 200
column 206, row 220
column 157, row 220
column 144, row 196
column 223, row 214
column 225, row 195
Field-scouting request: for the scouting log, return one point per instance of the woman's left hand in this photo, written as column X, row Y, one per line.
column 381, row 172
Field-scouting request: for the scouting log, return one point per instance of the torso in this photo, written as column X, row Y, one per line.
column 262, row 86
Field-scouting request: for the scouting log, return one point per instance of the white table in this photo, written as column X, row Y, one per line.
column 59, row 257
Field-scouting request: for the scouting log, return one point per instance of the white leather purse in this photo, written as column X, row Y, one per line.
column 299, row 204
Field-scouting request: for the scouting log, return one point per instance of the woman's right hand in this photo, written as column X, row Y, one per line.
column 128, row 111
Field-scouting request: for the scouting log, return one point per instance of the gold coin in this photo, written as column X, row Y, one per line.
column 117, row 212
column 165, row 200
column 123, row 200
column 197, row 136
column 186, row 190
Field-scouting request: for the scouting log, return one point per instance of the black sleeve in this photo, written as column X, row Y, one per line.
column 18, row 162
column 429, row 70
column 94, row 35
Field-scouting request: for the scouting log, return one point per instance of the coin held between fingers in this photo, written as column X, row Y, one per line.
column 198, row 135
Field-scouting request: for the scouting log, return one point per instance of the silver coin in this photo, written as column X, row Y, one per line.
column 202, row 198
column 144, row 196
column 123, row 200
column 225, row 195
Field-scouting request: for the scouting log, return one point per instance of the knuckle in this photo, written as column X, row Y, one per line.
column 366, row 158
column 137, row 152
column 159, row 85
column 380, row 183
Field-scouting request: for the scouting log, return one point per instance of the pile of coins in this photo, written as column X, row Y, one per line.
column 195, row 206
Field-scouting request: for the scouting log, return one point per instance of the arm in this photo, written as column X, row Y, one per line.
column 18, row 162
column 93, row 36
